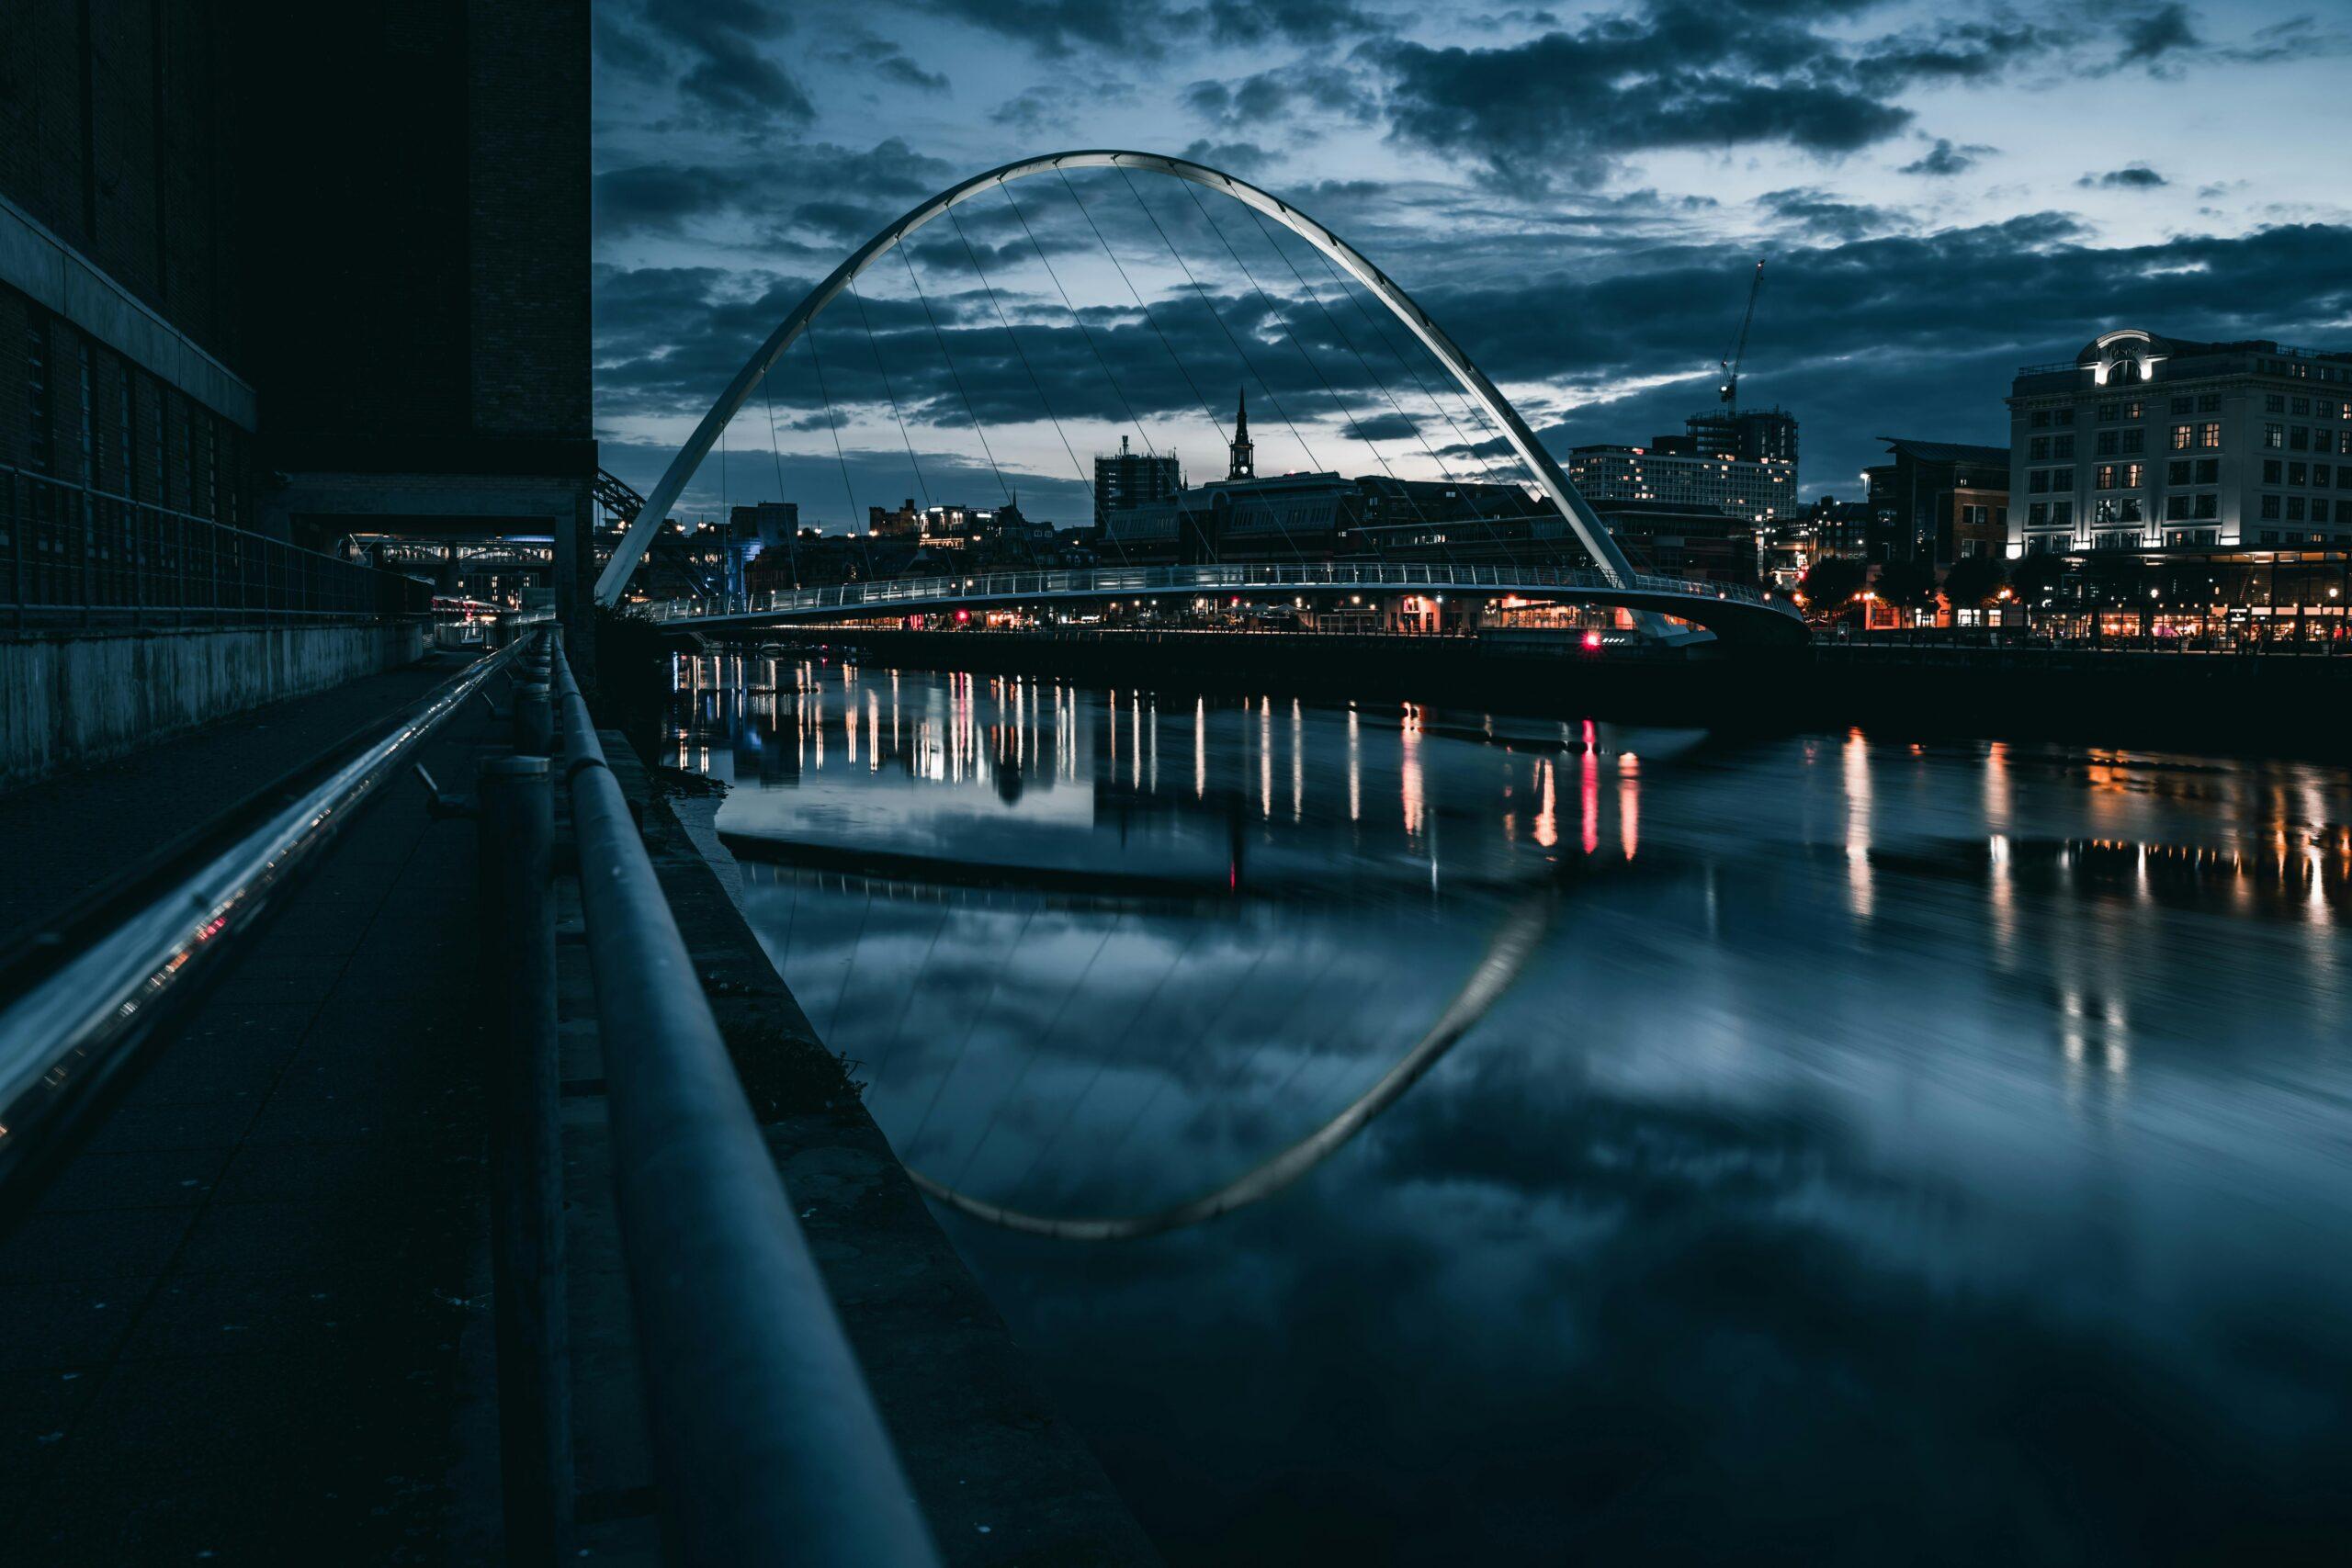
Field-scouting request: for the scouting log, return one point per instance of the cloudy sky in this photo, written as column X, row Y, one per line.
column 1941, row 192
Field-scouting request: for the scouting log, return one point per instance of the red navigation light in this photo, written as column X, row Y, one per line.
column 1592, row 640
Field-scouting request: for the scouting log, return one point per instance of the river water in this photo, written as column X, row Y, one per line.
column 1825, row 1149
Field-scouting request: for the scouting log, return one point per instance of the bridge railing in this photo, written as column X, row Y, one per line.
column 768, row 1443
column 911, row 593
column 71, row 554
column 79, row 998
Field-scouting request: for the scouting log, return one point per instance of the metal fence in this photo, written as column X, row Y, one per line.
column 916, row 591
column 74, row 554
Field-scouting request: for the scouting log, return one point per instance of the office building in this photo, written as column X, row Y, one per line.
column 2144, row 442
column 1752, row 490
column 1129, row 478
column 1937, row 501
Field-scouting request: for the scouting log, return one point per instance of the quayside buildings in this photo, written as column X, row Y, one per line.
column 2141, row 442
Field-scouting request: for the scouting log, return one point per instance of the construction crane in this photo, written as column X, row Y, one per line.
column 1729, row 390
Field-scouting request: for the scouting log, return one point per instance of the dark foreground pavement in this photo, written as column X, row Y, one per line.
column 249, row 1320
column 230, row 1330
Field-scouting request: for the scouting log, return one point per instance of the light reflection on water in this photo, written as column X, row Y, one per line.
column 1892, row 1154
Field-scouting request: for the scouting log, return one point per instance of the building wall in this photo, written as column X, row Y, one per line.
column 118, row 232
column 1752, row 490
column 67, row 702
column 2198, row 423
column 115, row 137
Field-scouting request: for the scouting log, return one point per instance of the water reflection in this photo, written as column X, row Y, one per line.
column 1890, row 1152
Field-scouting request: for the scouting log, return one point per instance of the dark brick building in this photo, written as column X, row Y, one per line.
column 315, row 270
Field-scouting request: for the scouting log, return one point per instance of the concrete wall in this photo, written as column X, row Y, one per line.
column 73, row 699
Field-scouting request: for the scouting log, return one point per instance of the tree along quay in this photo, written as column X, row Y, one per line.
column 2266, row 704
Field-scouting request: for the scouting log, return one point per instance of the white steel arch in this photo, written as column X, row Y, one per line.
column 1590, row 530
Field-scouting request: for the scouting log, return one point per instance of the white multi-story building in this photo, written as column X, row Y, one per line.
column 2142, row 440
column 1750, row 490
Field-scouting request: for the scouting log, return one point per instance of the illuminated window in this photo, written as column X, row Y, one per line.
column 2208, row 434
column 2182, row 435
column 2274, row 436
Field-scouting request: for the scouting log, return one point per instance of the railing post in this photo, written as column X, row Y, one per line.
column 526, row 1161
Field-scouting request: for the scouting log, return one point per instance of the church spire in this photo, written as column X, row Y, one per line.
column 1245, row 451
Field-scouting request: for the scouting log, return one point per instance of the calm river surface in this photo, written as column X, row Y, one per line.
column 1880, row 1153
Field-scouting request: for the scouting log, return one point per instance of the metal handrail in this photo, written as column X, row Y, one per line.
column 72, row 550
column 72, row 1028
column 768, row 1446
column 1180, row 578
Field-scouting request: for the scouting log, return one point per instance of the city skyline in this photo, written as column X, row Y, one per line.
column 1941, row 197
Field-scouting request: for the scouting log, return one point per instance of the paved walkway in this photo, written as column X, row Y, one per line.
column 70, row 834
column 232, row 1330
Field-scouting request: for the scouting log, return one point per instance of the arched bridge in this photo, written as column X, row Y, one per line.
column 1612, row 582
column 1736, row 614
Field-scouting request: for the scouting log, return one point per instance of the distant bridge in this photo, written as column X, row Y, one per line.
column 1735, row 614
column 1615, row 582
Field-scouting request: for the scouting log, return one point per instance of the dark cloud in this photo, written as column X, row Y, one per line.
column 1243, row 158
column 1285, row 93
column 1818, row 212
column 2131, row 176
column 812, row 176
column 2152, row 40
column 1944, row 159
column 1842, row 333
column 1060, row 27
column 1568, row 105
column 726, row 74
column 858, row 48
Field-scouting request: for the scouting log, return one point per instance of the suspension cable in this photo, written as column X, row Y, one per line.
column 840, row 455
column 1283, row 322
column 1020, row 353
column 1084, row 331
column 1214, row 423
column 1469, row 447
column 962, row 396
column 892, row 392
column 1273, row 512
column 1153, row 319
column 1275, row 244
column 1247, row 362
column 1043, row 1038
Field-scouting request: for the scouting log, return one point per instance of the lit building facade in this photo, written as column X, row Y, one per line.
column 1751, row 491
column 2142, row 442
